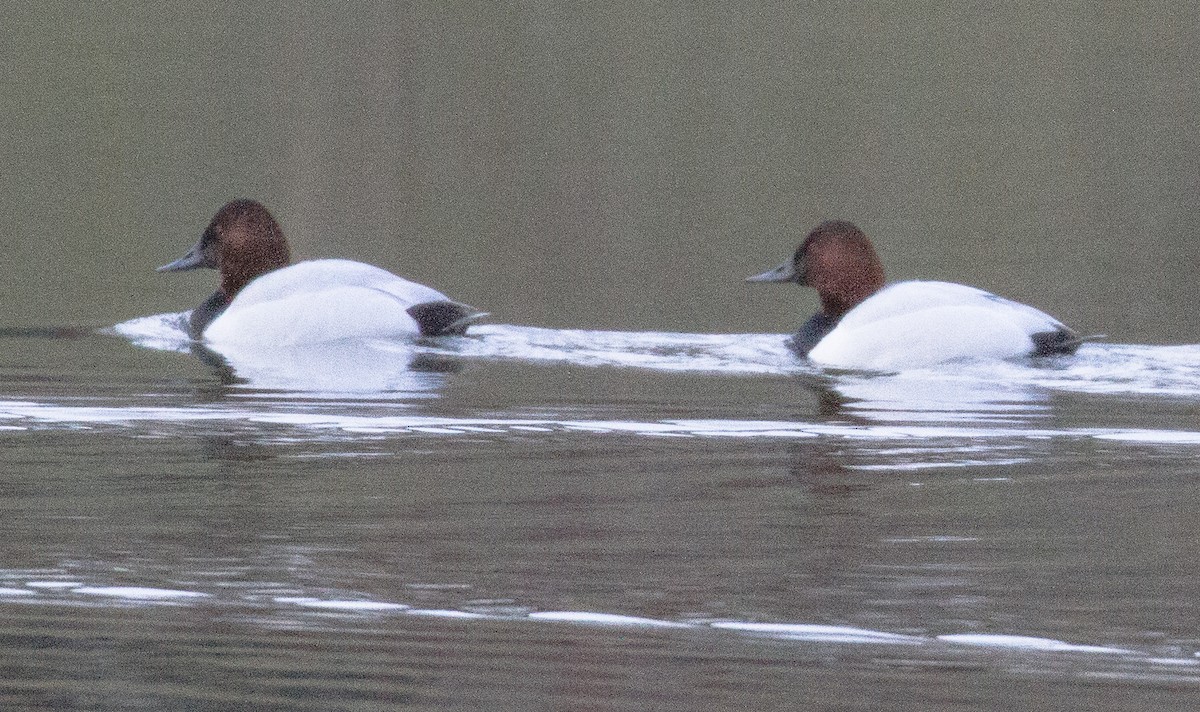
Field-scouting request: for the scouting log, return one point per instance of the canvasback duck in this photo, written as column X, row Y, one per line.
column 866, row 325
column 263, row 300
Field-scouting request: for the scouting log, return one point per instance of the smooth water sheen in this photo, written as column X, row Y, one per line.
column 683, row 520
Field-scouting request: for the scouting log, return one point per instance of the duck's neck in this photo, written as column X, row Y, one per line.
column 835, row 304
column 247, row 260
column 204, row 314
column 811, row 333
column 234, row 279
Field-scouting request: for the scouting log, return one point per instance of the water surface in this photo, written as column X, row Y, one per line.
column 623, row 492
column 723, row 515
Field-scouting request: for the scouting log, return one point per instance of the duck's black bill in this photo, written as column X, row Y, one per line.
column 785, row 272
column 194, row 259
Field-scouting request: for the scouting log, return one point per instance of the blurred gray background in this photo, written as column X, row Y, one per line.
column 609, row 165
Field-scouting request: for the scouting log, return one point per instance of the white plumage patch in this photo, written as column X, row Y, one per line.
column 321, row 300
column 915, row 324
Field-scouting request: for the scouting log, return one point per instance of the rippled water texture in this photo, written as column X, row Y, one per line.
column 1019, row 520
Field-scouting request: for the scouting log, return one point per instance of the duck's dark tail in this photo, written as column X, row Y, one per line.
column 444, row 318
column 1061, row 341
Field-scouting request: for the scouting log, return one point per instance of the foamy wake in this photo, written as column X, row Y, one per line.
column 1170, row 371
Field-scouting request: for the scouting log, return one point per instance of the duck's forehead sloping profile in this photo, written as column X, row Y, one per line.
column 248, row 242
column 244, row 228
column 242, row 216
column 843, row 255
column 834, row 236
column 838, row 254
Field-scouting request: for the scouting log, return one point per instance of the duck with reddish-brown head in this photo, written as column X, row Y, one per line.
column 866, row 324
column 265, row 300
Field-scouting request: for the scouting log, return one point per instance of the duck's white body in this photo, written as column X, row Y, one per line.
column 915, row 324
column 321, row 300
